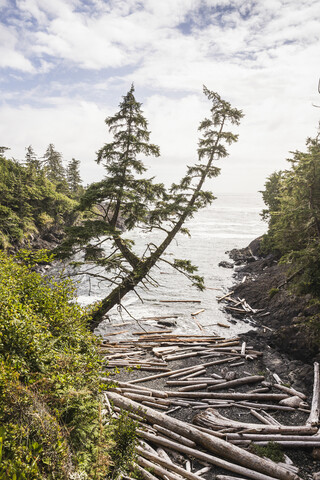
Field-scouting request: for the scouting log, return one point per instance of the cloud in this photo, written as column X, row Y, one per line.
column 10, row 56
column 75, row 59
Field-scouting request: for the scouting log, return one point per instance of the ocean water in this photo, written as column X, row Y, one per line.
column 232, row 221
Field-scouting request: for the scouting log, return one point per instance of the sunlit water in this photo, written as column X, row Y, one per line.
column 232, row 221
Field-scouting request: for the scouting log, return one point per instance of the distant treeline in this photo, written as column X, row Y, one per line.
column 37, row 196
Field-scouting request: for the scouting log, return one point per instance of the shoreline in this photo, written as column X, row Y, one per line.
column 261, row 281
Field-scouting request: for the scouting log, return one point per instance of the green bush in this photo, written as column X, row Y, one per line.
column 50, row 409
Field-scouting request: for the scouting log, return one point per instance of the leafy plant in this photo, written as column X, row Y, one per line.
column 272, row 450
column 50, row 408
column 123, row 453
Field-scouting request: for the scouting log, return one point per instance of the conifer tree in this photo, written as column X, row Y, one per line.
column 73, row 176
column 54, row 169
column 31, row 160
column 293, row 212
column 142, row 203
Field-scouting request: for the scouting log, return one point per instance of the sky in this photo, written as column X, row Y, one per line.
column 65, row 64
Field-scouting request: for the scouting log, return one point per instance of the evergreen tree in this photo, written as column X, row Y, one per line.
column 73, row 176
column 29, row 204
column 142, row 203
column 31, row 160
column 54, row 169
column 293, row 201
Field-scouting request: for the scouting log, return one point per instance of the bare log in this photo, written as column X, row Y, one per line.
column 315, row 404
column 165, row 374
column 192, row 375
column 154, row 405
column 237, row 382
column 228, row 477
column 202, row 471
column 193, row 387
column 272, row 438
column 141, row 398
column 174, row 436
column 225, row 296
column 236, row 468
column 183, row 383
column 144, row 473
column 290, row 391
column 260, row 417
column 197, row 313
column 213, row 444
column 290, row 444
column 168, row 465
column 181, row 355
column 234, row 396
column 157, row 469
column 213, row 418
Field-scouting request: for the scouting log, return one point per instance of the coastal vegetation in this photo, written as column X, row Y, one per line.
column 292, row 198
column 50, row 415
column 37, row 197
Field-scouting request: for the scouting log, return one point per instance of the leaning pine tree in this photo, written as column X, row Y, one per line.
column 140, row 202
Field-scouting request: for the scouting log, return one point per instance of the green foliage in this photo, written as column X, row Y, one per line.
column 54, row 169
column 293, row 211
column 29, row 203
column 272, row 451
column 123, row 453
column 50, row 410
column 74, row 178
column 31, row 160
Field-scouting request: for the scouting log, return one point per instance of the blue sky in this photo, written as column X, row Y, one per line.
column 64, row 65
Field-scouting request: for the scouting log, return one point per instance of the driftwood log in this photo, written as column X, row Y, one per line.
column 212, row 418
column 168, row 465
column 211, row 443
column 217, row 461
column 315, row 405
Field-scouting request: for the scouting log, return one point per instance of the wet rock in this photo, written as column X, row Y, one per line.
column 167, row 323
column 230, row 376
column 225, row 264
column 294, row 402
column 247, row 254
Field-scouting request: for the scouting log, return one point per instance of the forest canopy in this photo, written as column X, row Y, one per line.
column 292, row 198
column 36, row 197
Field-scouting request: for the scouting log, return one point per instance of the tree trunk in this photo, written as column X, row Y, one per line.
column 141, row 270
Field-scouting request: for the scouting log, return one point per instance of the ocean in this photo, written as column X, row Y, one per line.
column 232, row 221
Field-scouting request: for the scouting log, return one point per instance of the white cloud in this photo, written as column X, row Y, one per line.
column 262, row 56
column 9, row 54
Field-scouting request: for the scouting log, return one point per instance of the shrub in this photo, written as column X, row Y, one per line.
column 49, row 380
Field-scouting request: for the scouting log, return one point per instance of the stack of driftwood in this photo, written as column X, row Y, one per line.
column 188, row 448
column 240, row 307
